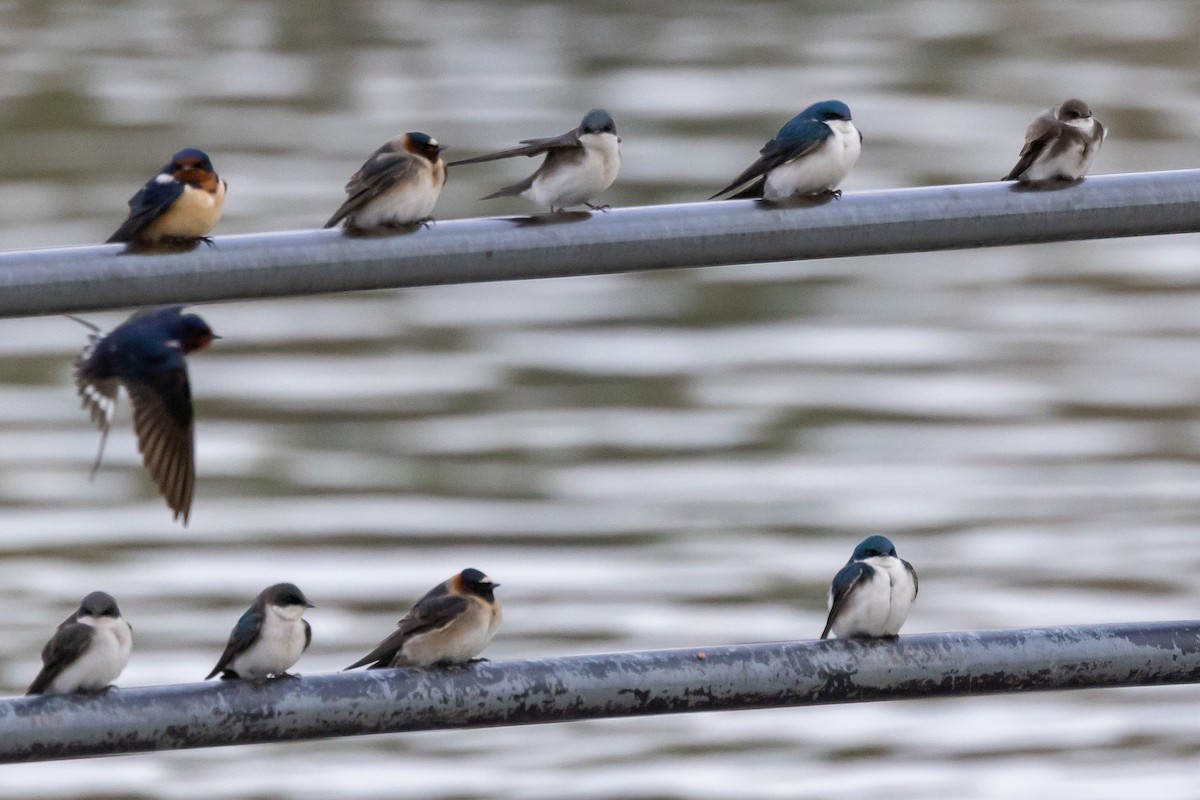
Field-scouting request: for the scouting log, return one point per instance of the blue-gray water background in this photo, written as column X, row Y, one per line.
column 642, row 461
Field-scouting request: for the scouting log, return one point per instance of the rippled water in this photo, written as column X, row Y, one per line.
column 642, row 461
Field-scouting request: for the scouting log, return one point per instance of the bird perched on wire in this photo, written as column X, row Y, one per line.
column 451, row 624
column 396, row 187
column 178, row 206
column 145, row 354
column 88, row 651
column 810, row 155
column 579, row 164
column 871, row 595
column 1060, row 144
column 269, row 638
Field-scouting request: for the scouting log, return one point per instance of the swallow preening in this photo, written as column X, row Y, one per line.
column 88, row 651
column 451, row 624
column 269, row 638
column 178, row 206
column 811, row 155
column 396, row 187
column 146, row 355
column 579, row 164
column 871, row 595
column 1059, row 145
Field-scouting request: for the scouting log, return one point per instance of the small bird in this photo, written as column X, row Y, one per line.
column 872, row 594
column 145, row 354
column 180, row 205
column 88, row 651
column 579, row 165
column 451, row 624
column 1060, row 143
column 269, row 638
column 810, row 155
column 396, row 187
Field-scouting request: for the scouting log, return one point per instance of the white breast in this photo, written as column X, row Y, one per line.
column 879, row 605
column 578, row 183
column 101, row 663
column 279, row 645
column 402, row 205
column 820, row 170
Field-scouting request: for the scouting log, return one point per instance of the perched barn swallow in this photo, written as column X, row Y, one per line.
column 451, row 624
column 872, row 594
column 181, row 204
column 396, row 187
column 579, row 165
column 269, row 638
column 88, row 651
column 810, row 155
column 1060, row 143
column 145, row 354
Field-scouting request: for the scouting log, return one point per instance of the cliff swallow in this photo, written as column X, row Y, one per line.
column 398, row 185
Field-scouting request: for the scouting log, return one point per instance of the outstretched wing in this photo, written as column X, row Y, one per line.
column 150, row 203
column 98, row 392
column 844, row 584
column 244, row 634
column 532, row 147
column 386, row 167
column 429, row 614
column 66, row 645
column 798, row 138
column 162, row 419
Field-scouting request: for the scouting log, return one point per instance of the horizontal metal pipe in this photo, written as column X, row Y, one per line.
column 486, row 694
column 623, row 239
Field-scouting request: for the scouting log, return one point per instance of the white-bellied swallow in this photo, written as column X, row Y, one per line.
column 1060, row 144
column 579, row 165
column 88, row 651
column 451, row 624
column 396, row 187
column 269, row 638
column 872, row 594
column 811, row 155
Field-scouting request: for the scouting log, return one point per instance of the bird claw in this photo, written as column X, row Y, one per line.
column 604, row 207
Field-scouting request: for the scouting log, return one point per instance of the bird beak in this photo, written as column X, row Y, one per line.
column 309, row 605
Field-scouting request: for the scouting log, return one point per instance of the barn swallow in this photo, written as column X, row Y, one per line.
column 579, row 165
column 1060, row 143
column 88, row 651
column 451, row 624
column 872, row 594
column 396, row 187
column 269, row 638
column 180, row 205
column 145, row 354
column 810, row 155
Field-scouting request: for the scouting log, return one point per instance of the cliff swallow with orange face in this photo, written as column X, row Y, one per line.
column 451, row 624
column 1059, row 144
column 397, row 187
column 180, row 205
column 145, row 354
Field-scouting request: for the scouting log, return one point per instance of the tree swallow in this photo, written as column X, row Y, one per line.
column 451, row 624
column 579, row 165
column 872, row 594
column 145, row 354
column 810, row 155
column 1060, row 143
column 179, row 206
column 396, row 187
column 269, row 637
column 88, row 651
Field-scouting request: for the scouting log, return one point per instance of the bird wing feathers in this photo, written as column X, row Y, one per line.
column 245, row 632
column 384, row 169
column 531, row 147
column 844, row 583
column 429, row 614
column 162, row 419
column 796, row 139
column 66, row 645
column 150, row 203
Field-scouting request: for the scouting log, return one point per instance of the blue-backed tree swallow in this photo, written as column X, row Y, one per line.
column 810, row 155
column 180, row 205
column 145, row 354
column 872, row 594
column 88, row 651
column 269, row 638
column 579, row 165
column 396, row 187
column 451, row 624
column 1060, row 144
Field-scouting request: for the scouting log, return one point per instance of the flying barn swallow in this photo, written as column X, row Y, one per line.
column 1060, row 143
column 579, row 164
column 269, row 638
column 179, row 205
column 451, row 624
column 88, row 651
column 145, row 354
column 871, row 595
column 810, row 155
column 396, row 187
